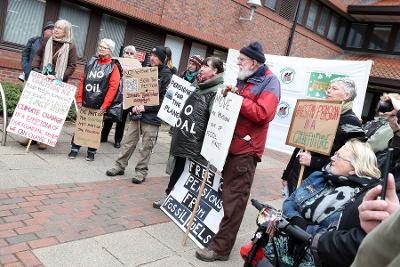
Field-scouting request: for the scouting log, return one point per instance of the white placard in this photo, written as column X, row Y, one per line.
column 220, row 128
column 180, row 203
column 42, row 109
column 177, row 92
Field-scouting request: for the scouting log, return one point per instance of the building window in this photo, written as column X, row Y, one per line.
column 113, row 28
column 333, row 27
column 397, row 43
column 356, row 35
column 323, row 21
column 79, row 17
column 312, row 15
column 301, row 10
column 270, row 4
column 198, row 49
column 380, row 37
column 175, row 43
column 342, row 31
column 24, row 20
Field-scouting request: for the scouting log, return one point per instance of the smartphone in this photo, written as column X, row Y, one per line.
column 385, row 173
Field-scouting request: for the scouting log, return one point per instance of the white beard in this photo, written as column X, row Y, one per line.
column 245, row 73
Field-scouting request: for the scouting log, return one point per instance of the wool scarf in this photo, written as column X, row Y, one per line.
column 340, row 190
column 61, row 56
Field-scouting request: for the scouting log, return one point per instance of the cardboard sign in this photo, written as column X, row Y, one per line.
column 177, row 92
column 220, row 128
column 180, row 203
column 129, row 63
column 314, row 124
column 89, row 123
column 42, row 108
column 141, row 87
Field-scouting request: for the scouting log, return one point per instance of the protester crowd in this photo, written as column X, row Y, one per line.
column 337, row 203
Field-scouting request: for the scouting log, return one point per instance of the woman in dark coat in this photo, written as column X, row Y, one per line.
column 341, row 89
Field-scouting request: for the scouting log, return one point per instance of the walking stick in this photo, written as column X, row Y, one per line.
column 196, row 205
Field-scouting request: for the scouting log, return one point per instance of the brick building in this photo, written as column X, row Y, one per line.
column 330, row 29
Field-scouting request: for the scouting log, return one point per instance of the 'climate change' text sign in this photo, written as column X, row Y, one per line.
column 42, row 108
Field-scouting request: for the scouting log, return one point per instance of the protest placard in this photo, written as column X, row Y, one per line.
column 42, row 108
column 141, row 87
column 314, row 124
column 89, row 123
column 177, row 92
column 181, row 201
column 220, row 128
column 129, row 63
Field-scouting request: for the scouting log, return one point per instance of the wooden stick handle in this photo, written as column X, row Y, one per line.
column 301, row 174
column 28, row 146
column 196, row 205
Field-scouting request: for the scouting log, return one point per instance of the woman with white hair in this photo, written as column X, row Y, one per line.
column 319, row 202
column 57, row 55
column 56, row 58
column 128, row 52
column 98, row 87
column 340, row 89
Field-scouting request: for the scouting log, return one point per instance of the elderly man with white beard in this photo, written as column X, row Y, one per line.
column 260, row 90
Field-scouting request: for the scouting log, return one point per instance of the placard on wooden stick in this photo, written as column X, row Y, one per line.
column 89, row 123
column 314, row 125
column 141, row 87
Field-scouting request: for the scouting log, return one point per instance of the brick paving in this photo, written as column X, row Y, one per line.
column 41, row 216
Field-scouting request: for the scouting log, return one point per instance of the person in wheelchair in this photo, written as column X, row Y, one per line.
column 316, row 206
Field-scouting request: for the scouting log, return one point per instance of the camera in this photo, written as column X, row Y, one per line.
column 385, row 106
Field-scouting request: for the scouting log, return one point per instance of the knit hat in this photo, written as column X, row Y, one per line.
column 255, row 51
column 160, row 52
column 49, row 25
column 197, row 60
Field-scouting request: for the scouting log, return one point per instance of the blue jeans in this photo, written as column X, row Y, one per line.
column 75, row 147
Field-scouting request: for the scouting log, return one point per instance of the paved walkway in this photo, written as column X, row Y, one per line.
column 60, row 212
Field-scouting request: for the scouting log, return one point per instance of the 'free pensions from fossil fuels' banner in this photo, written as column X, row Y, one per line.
column 303, row 78
column 42, row 108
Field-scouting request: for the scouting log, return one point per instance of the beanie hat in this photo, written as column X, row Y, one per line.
column 197, row 60
column 160, row 52
column 255, row 51
column 49, row 25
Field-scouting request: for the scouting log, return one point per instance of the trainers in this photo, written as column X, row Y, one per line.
column 138, row 180
column 114, row 172
column 72, row 154
column 157, row 204
column 90, row 157
column 207, row 254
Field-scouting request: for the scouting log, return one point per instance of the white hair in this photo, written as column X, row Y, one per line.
column 110, row 43
column 349, row 87
column 129, row 48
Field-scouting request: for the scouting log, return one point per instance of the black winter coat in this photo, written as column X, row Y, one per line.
column 150, row 112
column 291, row 173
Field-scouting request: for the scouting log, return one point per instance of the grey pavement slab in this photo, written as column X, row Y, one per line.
column 85, row 253
column 156, row 245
